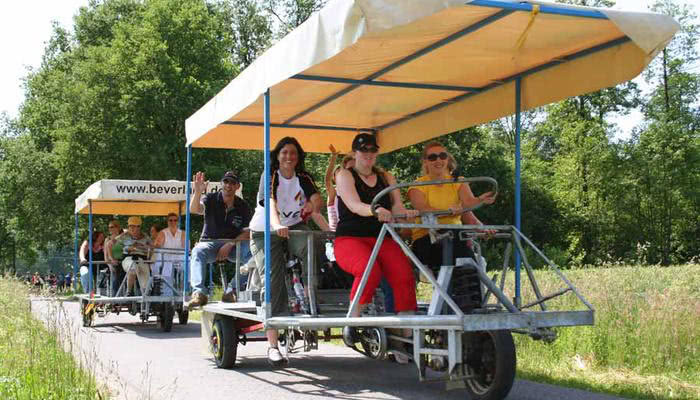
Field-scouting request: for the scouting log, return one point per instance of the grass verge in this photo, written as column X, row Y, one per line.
column 33, row 362
column 645, row 343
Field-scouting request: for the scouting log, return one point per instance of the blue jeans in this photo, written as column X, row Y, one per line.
column 205, row 253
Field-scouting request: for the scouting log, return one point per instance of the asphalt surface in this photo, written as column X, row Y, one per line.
column 139, row 361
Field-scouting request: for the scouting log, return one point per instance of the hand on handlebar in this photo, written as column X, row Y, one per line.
column 487, row 198
column 384, row 215
column 282, row 231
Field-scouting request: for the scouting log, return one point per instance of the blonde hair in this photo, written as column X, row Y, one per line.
column 451, row 162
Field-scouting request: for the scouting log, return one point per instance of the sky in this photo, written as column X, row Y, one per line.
column 25, row 27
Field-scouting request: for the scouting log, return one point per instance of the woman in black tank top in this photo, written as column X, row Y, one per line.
column 358, row 229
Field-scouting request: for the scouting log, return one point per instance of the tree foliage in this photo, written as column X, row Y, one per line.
column 111, row 95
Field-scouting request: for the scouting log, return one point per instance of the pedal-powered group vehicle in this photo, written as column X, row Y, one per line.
column 409, row 72
column 163, row 296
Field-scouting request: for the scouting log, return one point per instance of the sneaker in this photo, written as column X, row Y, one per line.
column 401, row 358
column 274, row 357
column 198, row 299
column 228, row 297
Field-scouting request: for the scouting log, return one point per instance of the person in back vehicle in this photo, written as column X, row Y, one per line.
column 136, row 247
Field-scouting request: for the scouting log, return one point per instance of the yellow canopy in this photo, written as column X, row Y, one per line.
column 412, row 70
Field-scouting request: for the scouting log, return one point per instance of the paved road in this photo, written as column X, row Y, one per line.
column 139, row 361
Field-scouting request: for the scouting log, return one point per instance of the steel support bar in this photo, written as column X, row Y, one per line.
column 470, row 322
column 89, row 288
column 530, row 273
column 354, row 305
column 518, row 88
column 544, row 9
column 407, row 85
column 293, row 126
column 425, row 271
column 76, row 258
column 311, row 270
column 266, row 155
column 542, row 299
column 188, row 222
column 555, row 268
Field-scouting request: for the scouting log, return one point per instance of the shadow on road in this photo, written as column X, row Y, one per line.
column 150, row 329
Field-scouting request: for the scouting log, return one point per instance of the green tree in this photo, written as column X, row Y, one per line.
column 110, row 101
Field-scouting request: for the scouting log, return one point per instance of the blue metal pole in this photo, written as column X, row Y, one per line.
column 186, row 284
column 90, row 249
column 518, row 84
column 76, row 258
column 266, row 153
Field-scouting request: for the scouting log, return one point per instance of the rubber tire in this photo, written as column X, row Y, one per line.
column 227, row 338
column 183, row 316
column 500, row 343
column 377, row 351
column 166, row 317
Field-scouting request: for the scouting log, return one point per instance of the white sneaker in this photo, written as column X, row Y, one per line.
column 401, row 358
column 274, row 357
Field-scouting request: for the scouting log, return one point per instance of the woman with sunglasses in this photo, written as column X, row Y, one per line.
column 169, row 238
column 438, row 164
column 358, row 228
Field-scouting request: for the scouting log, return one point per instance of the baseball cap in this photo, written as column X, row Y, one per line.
column 364, row 139
column 230, row 175
column 134, row 221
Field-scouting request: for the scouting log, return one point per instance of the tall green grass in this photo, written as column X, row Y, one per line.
column 33, row 361
column 646, row 339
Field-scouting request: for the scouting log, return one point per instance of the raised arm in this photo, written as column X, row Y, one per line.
column 330, row 189
column 200, row 186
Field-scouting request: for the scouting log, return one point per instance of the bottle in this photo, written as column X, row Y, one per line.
column 299, row 292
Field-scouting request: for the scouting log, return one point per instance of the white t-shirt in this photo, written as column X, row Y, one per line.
column 290, row 195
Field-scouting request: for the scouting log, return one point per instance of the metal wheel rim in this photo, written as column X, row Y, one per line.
column 476, row 383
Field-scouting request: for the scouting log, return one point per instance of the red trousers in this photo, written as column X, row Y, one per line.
column 352, row 255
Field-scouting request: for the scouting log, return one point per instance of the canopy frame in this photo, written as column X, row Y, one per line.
column 505, row 9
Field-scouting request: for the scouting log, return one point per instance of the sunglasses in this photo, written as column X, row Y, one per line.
column 435, row 156
column 172, row 220
column 368, row 149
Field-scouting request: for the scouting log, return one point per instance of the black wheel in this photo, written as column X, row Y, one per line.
column 374, row 342
column 183, row 316
column 88, row 313
column 224, row 342
column 165, row 319
column 489, row 358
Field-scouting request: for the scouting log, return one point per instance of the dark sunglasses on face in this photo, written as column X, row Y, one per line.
column 368, row 149
column 172, row 220
column 435, row 156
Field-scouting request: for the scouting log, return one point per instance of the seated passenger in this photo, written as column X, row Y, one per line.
column 136, row 248
column 438, row 164
column 169, row 238
column 293, row 199
column 112, row 260
column 98, row 239
column 225, row 217
column 358, row 229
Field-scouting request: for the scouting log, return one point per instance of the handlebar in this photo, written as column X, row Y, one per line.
column 385, row 191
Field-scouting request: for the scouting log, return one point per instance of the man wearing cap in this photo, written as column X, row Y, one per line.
column 135, row 245
column 225, row 216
